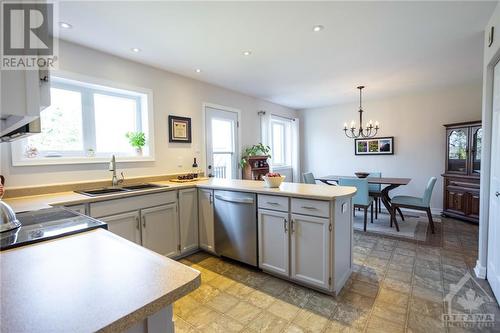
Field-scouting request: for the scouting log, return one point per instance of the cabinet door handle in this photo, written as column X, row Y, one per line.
column 137, row 224
column 292, row 226
column 309, row 207
column 497, row 194
column 272, row 203
column 144, row 221
column 285, row 225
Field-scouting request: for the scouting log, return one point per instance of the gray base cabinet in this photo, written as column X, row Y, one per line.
column 188, row 220
column 206, row 219
column 160, row 229
column 274, row 241
column 126, row 225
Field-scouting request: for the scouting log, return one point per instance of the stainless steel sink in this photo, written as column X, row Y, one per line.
column 142, row 187
column 113, row 190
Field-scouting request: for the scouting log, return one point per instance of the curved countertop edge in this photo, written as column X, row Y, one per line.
column 297, row 190
column 188, row 279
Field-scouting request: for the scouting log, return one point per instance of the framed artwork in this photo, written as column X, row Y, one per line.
column 374, row 146
column 179, row 129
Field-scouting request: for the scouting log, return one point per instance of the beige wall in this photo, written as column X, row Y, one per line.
column 173, row 94
column 414, row 120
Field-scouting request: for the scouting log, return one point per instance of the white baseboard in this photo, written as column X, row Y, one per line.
column 480, row 270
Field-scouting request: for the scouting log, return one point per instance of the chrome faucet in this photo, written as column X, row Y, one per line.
column 112, row 167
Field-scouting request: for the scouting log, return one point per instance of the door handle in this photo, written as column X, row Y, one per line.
column 497, row 194
column 144, row 221
column 309, row 207
column 292, row 226
column 284, row 225
column 137, row 224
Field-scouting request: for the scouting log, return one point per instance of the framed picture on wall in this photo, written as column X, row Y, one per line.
column 179, row 129
column 374, row 146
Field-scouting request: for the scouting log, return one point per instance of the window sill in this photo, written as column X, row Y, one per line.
column 79, row 160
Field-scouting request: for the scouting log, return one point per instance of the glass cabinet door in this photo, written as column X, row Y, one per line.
column 477, row 138
column 457, row 150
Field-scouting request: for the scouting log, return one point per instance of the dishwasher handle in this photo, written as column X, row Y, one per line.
column 235, row 200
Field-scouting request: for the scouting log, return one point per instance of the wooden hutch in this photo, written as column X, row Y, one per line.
column 255, row 168
column 462, row 170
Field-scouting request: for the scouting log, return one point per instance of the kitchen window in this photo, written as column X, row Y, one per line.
column 281, row 142
column 87, row 123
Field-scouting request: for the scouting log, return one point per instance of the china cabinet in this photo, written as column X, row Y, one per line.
column 462, row 170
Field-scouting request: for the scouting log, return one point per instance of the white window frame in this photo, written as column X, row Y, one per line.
column 105, row 87
column 287, row 141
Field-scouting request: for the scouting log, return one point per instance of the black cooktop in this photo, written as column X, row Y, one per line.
column 46, row 224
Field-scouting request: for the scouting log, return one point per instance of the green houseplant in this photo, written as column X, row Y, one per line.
column 136, row 140
column 255, row 150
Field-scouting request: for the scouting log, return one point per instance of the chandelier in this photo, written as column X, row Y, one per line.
column 368, row 132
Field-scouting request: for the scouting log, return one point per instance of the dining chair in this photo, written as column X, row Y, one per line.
column 361, row 198
column 308, row 178
column 375, row 191
column 416, row 203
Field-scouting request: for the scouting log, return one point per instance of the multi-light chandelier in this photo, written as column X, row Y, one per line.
column 368, row 132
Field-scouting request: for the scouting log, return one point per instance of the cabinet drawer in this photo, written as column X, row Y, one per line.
column 117, row 206
column 311, row 207
column 273, row 202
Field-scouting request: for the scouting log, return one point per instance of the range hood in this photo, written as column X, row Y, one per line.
column 32, row 127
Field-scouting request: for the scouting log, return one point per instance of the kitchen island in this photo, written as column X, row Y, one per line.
column 93, row 281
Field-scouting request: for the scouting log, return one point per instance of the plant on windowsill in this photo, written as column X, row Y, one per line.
column 137, row 140
column 255, row 150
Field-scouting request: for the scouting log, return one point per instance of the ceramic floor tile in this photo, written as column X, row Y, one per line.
column 295, row 295
column 239, row 290
column 221, row 282
column 185, row 305
column 321, row 304
column 260, row 299
column 390, row 312
column 244, row 312
column 201, row 317
column 223, row 302
column 205, row 293
column 222, row 324
column 268, row 322
column 380, row 325
column 284, row 310
column 310, row 321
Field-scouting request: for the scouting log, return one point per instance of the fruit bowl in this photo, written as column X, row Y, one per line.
column 273, row 181
column 361, row 174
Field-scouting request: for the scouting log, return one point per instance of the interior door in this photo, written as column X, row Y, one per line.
column 493, row 270
column 221, row 129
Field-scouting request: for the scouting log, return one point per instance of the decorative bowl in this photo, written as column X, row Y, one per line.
column 361, row 174
column 273, row 182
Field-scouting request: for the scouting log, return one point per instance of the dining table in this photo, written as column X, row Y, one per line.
column 390, row 182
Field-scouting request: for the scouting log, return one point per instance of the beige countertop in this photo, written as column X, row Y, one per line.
column 87, row 282
column 299, row 190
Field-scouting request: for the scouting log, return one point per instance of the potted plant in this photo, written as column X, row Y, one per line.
column 136, row 140
column 255, row 150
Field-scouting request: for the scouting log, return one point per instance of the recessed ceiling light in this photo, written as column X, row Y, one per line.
column 247, row 53
column 136, row 49
column 318, row 28
column 65, row 25
column 197, row 70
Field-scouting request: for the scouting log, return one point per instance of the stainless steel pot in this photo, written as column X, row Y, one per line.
column 8, row 218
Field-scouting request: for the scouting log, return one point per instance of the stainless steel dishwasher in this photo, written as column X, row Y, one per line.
column 236, row 226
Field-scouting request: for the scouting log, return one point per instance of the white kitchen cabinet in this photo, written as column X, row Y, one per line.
column 82, row 208
column 160, row 229
column 126, row 225
column 188, row 220
column 206, row 219
column 273, row 227
column 310, row 250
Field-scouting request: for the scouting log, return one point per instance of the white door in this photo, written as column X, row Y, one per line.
column 310, row 244
column 125, row 225
column 160, row 229
column 274, row 241
column 206, row 219
column 493, row 269
column 188, row 219
column 221, row 128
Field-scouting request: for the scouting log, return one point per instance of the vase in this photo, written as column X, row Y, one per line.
column 138, row 151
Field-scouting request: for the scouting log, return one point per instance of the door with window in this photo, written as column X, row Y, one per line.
column 221, row 143
column 493, row 269
column 281, row 146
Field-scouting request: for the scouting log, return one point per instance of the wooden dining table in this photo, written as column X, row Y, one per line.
column 391, row 183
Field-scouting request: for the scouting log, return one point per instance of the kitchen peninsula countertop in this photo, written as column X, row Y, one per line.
column 298, row 190
column 93, row 281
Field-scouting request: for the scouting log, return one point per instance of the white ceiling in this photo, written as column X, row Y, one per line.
column 391, row 47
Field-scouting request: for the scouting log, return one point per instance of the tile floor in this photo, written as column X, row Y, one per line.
column 396, row 286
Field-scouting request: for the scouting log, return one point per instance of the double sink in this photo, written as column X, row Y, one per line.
column 122, row 189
